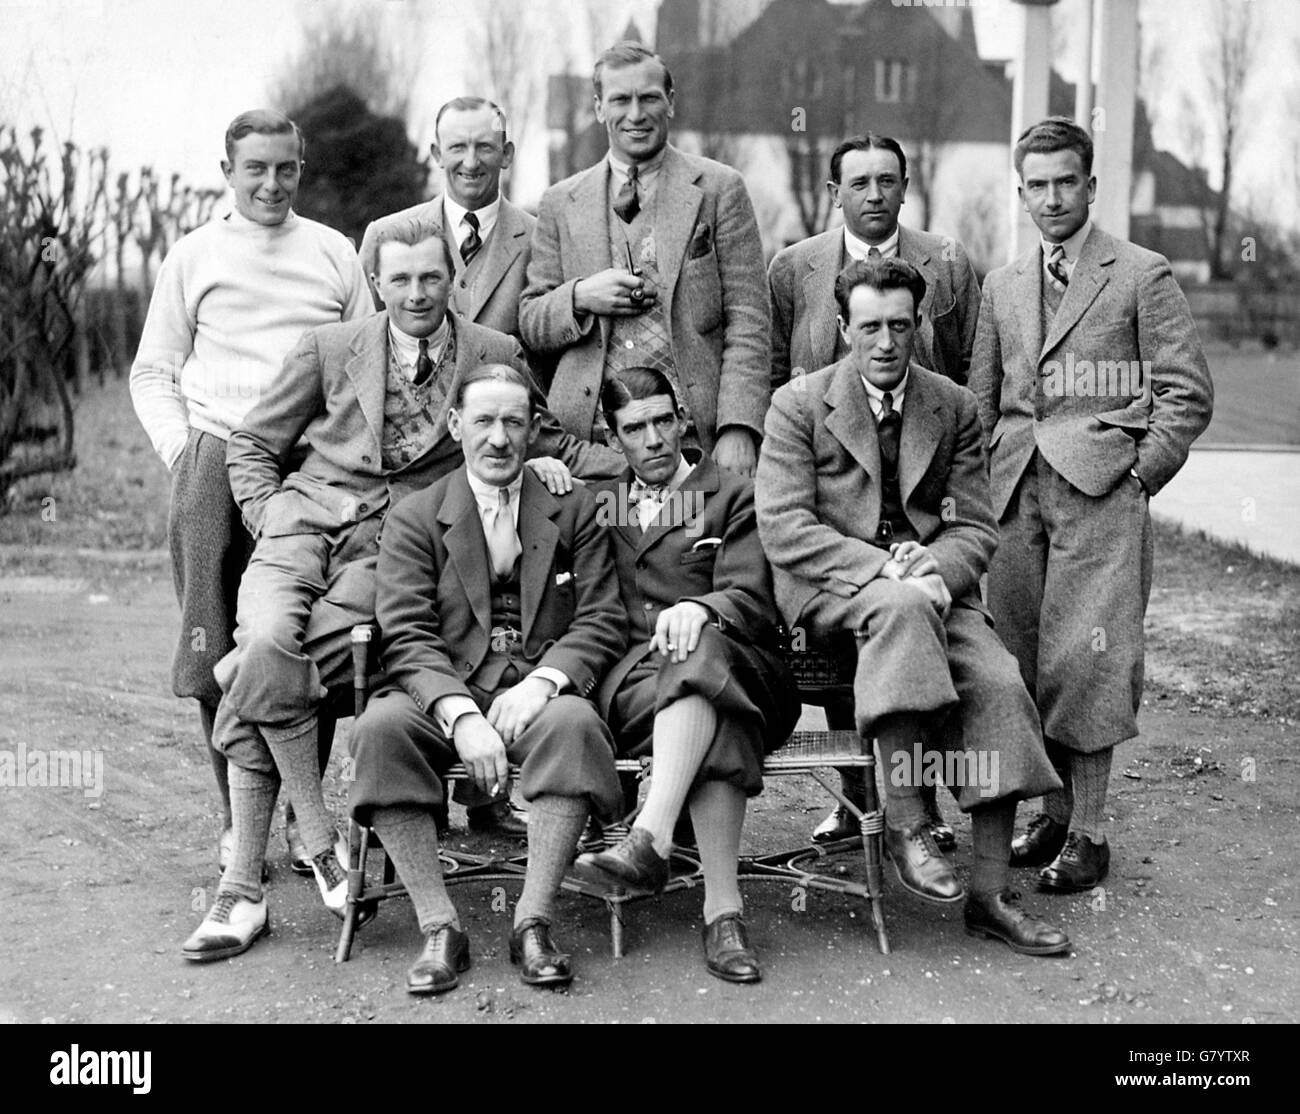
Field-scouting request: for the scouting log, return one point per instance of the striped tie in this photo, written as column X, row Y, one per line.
column 1056, row 268
column 470, row 245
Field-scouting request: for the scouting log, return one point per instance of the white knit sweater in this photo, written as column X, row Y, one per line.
column 231, row 300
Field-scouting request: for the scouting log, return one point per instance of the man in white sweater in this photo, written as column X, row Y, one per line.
column 231, row 300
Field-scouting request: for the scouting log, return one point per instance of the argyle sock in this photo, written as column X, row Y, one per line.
column 207, row 717
column 1058, row 804
column 897, row 735
column 294, row 751
column 410, row 838
column 683, row 733
column 718, row 813
column 252, row 803
column 1091, row 777
column 992, row 826
column 554, row 825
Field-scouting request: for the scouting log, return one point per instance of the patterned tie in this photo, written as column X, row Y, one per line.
column 1056, row 271
column 646, row 499
column 503, row 538
column 470, row 245
column 423, row 365
column 888, row 428
column 627, row 204
column 873, row 252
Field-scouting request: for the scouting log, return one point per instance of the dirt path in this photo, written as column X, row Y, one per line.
column 1198, row 921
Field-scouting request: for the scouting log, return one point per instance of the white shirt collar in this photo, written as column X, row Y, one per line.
column 859, row 249
column 488, row 496
column 683, row 469
column 454, row 217
column 875, row 396
column 646, row 173
column 237, row 220
column 1072, row 246
column 407, row 347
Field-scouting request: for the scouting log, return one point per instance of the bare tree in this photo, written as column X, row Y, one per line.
column 504, row 40
column 932, row 120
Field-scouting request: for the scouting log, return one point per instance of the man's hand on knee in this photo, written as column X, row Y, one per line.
column 678, row 629
column 909, row 559
column 518, row 706
column 482, row 752
column 933, row 587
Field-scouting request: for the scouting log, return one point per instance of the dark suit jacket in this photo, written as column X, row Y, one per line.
column 434, row 599
column 492, row 300
column 331, row 393
column 1122, row 305
column 818, row 486
column 711, row 262
column 802, row 283
column 673, row 560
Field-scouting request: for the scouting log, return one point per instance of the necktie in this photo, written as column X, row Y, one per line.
column 423, row 365
column 888, row 428
column 873, row 252
column 627, row 204
column 503, row 538
column 470, row 245
column 1056, row 268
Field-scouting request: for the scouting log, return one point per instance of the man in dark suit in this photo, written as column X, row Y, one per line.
column 371, row 399
column 701, row 690
column 486, row 235
column 499, row 612
column 878, row 527
column 1092, row 386
column 652, row 258
column 868, row 184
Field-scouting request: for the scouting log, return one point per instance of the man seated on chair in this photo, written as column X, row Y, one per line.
column 874, row 509
column 701, row 689
column 371, row 399
column 498, row 607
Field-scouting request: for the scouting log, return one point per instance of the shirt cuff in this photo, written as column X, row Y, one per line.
column 547, row 673
column 448, row 709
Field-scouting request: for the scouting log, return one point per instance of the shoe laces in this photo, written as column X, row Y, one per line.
column 328, row 864
column 1038, row 823
column 1072, row 850
column 223, row 907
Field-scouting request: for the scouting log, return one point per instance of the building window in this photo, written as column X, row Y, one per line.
column 895, row 81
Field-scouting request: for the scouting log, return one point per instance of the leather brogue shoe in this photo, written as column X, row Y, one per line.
column 539, row 961
column 1081, row 865
column 839, row 824
column 920, row 865
column 727, row 953
column 444, row 956
column 299, row 859
column 1040, row 844
column 231, row 927
column 499, row 819
column 633, row 865
column 998, row 916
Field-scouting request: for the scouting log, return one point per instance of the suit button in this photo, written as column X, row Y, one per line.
column 648, row 606
column 587, row 391
column 640, row 563
column 464, row 285
column 465, row 666
column 365, row 460
column 362, row 508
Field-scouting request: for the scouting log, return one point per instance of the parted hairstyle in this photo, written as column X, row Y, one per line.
column 879, row 274
column 469, row 104
column 1056, row 133
column 410, row 231
column 628, row 53
column 263, row 121
column 503, row 373
column 865, row 142
column 631, row 385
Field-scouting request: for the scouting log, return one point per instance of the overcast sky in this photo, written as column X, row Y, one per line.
column 156, row 81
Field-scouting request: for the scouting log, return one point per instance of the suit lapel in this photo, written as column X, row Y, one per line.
column 851, row 421
column 467, row 546
column 676, row 205
column 819, row 296
column 1026, row 303
column 507, row 239
column 916, row 253
column 538, row 535
column 1086, row 283
column 921, row 433
column 367, row 370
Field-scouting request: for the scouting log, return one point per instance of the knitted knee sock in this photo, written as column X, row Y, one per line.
column 410, row 837
column 1091, row 777
column 992, row 826
column 1058, row 805
column 683, row 734
column 294, row 751
column 718, row 813
column 252, row 803
column 554, row 825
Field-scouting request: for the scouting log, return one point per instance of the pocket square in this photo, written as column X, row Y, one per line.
column 702, row 241
column 563, row 578
column 706, row 543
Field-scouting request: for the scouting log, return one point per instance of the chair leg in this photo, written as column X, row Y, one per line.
column 873, row 848
column 615, row 927
column 358, row 847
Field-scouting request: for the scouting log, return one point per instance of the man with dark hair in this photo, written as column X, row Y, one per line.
column 488, row 236
column 652, row 258
column 231, row 300
column 701, row 690
column 372, row 401
column 499, row 614
column 1092, row 386
column 873, row 507
column 868, row 183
